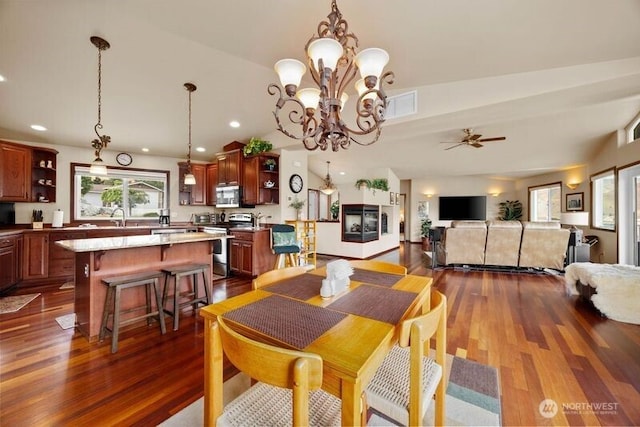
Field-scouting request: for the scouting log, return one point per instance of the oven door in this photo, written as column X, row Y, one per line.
column 228, row 197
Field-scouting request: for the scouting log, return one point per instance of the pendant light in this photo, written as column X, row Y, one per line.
column 328, row 187
column 97, row 166
column 189, row 178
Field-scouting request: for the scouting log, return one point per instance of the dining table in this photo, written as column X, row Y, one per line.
column 352, row 331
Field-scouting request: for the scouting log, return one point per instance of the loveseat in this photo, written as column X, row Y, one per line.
column 523, row 244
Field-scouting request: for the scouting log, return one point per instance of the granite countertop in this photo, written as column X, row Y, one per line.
column 126, row 242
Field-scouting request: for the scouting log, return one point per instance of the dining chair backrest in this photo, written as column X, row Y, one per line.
column 381, row 266
column 417, row 333
column 296, row 370
column 273, row 276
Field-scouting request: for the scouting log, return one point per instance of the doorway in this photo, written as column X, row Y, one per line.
column 404, row 234
column 629, row 214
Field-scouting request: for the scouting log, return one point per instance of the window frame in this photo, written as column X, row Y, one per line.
column 630, row 128
column 613, row 172
column 530, row 189
column 72, row 175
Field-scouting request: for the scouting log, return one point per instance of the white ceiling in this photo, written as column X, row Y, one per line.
column 556, row 77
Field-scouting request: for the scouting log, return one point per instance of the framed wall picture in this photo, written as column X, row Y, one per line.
column 423, row 209
column 575, row 202
column 392, row 198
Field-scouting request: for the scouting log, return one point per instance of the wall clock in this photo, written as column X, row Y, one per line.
column 295, row 183
column 124, row 159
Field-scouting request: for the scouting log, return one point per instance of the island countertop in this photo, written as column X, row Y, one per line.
column 126, row 242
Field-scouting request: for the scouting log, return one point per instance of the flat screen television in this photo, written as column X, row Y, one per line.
column 462, row 208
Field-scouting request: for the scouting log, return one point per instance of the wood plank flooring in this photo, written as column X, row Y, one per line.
column 544, row 344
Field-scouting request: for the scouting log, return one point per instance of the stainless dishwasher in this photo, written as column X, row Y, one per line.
column 220, row 251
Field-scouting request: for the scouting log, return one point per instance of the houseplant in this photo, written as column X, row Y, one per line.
column 425, row 226
column 363, row 183
column 380, row 184
column 256, row 146
column 297, row 204
column 510, row 210
column 335, row 209
column 270, row 164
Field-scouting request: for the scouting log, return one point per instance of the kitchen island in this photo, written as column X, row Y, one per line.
column 114, row 256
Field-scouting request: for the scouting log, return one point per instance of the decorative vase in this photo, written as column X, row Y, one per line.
column 299, row 214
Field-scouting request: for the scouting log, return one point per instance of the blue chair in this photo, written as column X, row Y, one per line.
column 284, row 244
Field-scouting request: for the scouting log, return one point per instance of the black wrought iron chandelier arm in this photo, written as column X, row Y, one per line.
column 298, row 114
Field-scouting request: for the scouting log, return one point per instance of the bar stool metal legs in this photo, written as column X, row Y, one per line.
column 115, row 285
column 172, row 277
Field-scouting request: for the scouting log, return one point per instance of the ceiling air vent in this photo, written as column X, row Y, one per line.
column 402, row 105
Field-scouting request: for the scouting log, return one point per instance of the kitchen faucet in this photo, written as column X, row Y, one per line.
column 123, row 216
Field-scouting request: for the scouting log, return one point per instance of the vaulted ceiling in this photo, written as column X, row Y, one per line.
column 556, row 78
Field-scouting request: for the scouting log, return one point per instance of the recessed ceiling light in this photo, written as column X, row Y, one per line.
column 38, row 128
column 234, row 124
column 201, row 149
column 342, row 173
column 2, row 78
column 145, row 149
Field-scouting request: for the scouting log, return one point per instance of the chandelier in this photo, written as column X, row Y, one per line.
column 189, row 178
column 333, row 62
column 327, row 186
column 97, row 166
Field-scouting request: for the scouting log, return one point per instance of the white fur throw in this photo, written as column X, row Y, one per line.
column 617, row 287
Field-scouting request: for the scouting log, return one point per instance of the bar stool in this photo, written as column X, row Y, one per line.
column 115, row 285
column 176, row 273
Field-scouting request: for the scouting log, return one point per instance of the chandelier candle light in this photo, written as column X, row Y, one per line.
column 97, row 166
column 189, row 178
column 333, row 62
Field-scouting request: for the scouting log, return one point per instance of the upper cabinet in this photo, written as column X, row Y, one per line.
column 229, row 167
column 193, row 194
column 261, row 179
column 212, row 182
column 27, row 174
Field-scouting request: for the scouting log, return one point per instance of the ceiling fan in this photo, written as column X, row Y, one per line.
column 472, row 140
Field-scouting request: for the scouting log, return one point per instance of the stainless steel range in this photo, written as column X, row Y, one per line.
column 240, row 220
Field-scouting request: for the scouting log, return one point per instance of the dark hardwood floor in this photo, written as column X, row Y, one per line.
column 544, row 344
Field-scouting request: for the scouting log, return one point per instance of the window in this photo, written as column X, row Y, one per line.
column 96, row 198
column 603, row 200
column 633, row 129
column 545, row 202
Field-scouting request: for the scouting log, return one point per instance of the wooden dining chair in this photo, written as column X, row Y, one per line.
column 407, row 380
column 273, row 276
column 288, row 386
column 381, row 266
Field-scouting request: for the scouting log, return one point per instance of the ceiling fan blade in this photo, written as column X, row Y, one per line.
column 454, row 146
column 474, row 137
column 498, row 138
column 476, row 144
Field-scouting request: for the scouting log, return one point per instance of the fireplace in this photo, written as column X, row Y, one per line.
column 360, row 223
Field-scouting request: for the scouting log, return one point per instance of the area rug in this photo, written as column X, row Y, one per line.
column 67, row 321
column 15, row 303
column 472, row 398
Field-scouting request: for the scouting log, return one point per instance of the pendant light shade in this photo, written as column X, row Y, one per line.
column 189, row 178
column 328, row 187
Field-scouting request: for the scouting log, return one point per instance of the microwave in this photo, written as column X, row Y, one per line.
column 228, row 196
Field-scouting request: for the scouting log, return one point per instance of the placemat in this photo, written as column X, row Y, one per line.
column 300, row 287
column 375, row 277
column 375, row 302
column 293, row 322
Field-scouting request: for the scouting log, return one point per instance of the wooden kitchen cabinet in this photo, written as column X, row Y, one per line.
column 250, row 252
column 212, row 183
column 43, row 175
column 193, row 194
column 260, row 184
column 35, row 255
column 10, row 251
column 15, row 173
column 229, row 167
column 62, row 262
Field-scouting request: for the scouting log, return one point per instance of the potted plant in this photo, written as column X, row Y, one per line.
column 363, row 183
column 380, row 184
column 510, row 210
column 335, row 209
column 270, row 164
column 297, row 204
column 425, row 226
column 256, row 146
